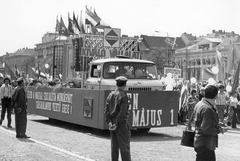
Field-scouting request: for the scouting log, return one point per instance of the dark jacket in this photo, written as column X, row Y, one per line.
column 206, row 124
column 116, row 109
column 19, row 98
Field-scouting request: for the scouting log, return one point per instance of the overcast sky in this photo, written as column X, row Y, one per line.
column 24, row 22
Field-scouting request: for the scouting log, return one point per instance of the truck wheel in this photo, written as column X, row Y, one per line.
column 145, row 130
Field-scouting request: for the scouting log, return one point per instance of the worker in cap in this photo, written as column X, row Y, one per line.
column 6, row 92
column 20, row 107
column 121, row 81
column 20, row 79
column 116, row 115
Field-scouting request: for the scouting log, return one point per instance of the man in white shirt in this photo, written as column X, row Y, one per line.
column 6, row 96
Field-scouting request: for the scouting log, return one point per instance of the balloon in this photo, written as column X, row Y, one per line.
column 215, row 70
column 193, row 80
column 169, row 75
column 229, row 88
column 46, row 66
column 211, row 81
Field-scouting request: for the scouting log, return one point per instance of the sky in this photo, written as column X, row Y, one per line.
column 24, row 22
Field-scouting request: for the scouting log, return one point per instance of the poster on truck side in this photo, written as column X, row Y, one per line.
column 147, row 109
column 176, row 73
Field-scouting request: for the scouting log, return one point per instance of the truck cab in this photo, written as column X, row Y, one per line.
column 141, row 74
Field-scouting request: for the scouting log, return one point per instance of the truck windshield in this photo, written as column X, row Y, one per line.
column 130, row 70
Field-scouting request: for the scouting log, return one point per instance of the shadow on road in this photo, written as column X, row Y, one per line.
column 136, row 136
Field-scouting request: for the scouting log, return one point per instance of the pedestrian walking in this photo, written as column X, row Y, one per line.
column 206, row 126
column 6, row 98
column 116, row 114
column 20, row 106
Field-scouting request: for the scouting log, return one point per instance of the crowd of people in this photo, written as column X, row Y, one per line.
column 227, row 102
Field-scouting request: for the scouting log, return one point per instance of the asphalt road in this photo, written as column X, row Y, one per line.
column 61, row 141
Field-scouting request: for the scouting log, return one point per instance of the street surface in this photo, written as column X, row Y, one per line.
column 59, row 141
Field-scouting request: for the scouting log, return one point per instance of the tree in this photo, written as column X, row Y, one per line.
column 160, row 57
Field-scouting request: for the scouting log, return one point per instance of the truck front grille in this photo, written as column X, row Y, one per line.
column 139, row 88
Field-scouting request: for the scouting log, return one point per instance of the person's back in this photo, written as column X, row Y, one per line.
column 206, row 126
column 206, row 131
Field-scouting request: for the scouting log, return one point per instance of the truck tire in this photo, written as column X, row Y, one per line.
column 145, row 130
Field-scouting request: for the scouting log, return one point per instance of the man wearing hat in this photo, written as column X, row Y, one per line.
column 6, row 96
column 20, row 106
column 116, row 114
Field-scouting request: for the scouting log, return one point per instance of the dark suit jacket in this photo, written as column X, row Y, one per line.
column 206, row 124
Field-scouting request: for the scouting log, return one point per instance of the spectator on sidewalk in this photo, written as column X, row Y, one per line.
column 20, row 106
column 116, row 114
column 206, row 126
column 221, row 102
column 6, row 92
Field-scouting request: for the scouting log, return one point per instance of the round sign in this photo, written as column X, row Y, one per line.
column 46, row 66
column 215, row 70
column 193, row 80
column 229, row 88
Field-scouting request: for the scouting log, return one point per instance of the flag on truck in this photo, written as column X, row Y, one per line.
column 81, row 24
column 30, row 72
column 76, row 28
column 70, row 25
column 8, row 71
column 17, row 73
column 62, row 29
column 57, row 28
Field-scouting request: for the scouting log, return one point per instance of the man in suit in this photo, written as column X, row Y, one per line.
column 20, row 106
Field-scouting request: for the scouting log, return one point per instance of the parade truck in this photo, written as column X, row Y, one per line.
column 149, row 105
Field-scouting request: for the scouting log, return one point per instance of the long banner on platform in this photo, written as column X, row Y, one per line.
column 109, row 53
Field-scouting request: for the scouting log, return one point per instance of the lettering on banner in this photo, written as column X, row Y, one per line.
column 49, row 96
column 39, row 95
column 66, row 109
column 56, row 107
column 143, row 117
column 29, row 94
column 44, row 105
column 51, row 101
column 109, row 53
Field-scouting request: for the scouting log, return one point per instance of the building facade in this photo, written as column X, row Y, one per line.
column 20, row 59
column 50, row 51
column 194, row 59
